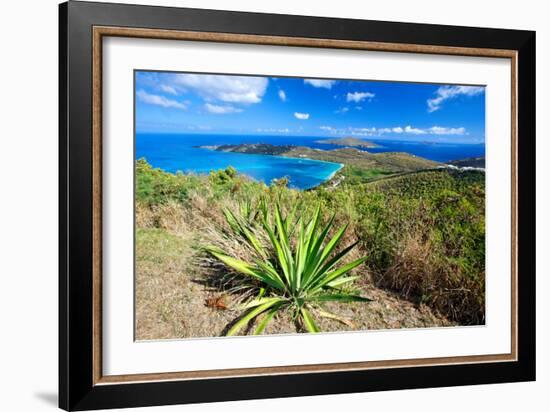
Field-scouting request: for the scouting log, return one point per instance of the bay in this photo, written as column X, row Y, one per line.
column 176, row 152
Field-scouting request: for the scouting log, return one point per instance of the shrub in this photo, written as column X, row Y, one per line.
column 297, row 269
column 154, row 186
column 425, row 233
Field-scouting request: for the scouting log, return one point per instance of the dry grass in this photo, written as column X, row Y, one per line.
column 177, row 287
column 417, row 273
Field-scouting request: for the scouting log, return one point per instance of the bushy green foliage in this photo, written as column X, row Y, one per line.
column 155, row 186
column 354, row 175
column 426, row 236
column 281, row 182
column 443, row 206
column 223, row 177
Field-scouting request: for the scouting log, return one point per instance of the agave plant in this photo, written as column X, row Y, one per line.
column 295, row 265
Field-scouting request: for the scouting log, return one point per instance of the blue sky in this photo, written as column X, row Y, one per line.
column 225, row 104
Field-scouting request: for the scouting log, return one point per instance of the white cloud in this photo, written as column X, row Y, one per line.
column 363, row 131
column 450, row 92
column 282, row 95
column 301, row 116
column 213, row 108
column 273, row 130
column 447, row 130
column 414, row 130
column 229, row 89
column 145, row 97
column 168, row 89
column 147, row 79
column 373, row 131
column 342, row 110
column 354, row 131
column 198, row 127
column 325, row 84
column 359, row 96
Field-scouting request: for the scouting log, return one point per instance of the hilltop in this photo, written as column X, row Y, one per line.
column 478, row 162
column 349, row 141
column 251, row 148
column 425, row 182
column 389, row 161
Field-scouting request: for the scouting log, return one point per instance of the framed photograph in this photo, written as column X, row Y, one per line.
column 257, row 206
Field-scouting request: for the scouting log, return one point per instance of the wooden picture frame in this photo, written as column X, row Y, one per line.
column 83, row 26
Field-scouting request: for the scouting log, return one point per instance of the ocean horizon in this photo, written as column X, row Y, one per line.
column 177, row 153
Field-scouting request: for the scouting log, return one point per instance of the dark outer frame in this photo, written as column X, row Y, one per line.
column 99, row 32
column 78, row 388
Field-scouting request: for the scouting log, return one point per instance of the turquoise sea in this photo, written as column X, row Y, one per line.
column 175, row 152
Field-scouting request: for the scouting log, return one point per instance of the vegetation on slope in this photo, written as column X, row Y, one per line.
column 469, row 162
column 426, row 233
column 422, row 234
column 389, row 161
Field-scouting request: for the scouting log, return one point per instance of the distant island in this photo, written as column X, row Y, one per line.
column 477, row 162
column 350, row 142
column 393, row 162
column 251, row 148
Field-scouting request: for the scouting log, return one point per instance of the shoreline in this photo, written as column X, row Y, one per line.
column 214, row 148
column 206, row 172
column 326, row 180
column 334, row 173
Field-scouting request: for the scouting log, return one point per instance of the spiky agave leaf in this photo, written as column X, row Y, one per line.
column 249, row 316
column 297, row 269
column 335, row 284
column 258, row 302
column 266, row 319
column 326, row 278
column 329, row 315
column 245, row 230
column 247, row 269
column 309, row 323
column 339, row 297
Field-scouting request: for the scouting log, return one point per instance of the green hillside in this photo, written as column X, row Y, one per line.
column 389, row 161
column 422, row 233
column 427, row 181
